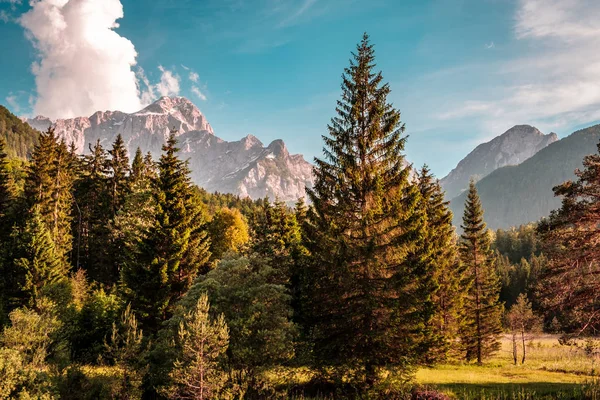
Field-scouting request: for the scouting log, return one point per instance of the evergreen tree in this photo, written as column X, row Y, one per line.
column 49, row 185
column 118, row 170
column 446, row 269
column 91, row 226
column 202, row 342
column 569, row 286
column 7, row 190
column 38, row 263
column 138, row 168
column 176, row 246
column 369, row 304
column 482, row 308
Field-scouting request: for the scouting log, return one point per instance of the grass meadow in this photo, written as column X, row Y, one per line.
column 551, row 371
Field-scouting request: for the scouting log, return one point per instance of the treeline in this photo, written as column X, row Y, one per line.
column 124, row 265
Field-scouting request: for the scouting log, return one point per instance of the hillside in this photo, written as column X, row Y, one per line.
column 511, row 148
column 519, row 194
column 19, row 136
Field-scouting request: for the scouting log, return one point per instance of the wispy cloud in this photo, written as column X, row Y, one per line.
column 557, row 84
column 490, row 45
column 196, row 91
column 194, row 77
column 11, row 100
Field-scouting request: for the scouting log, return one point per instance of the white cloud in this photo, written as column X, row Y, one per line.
column 84, row 65
column 194, row 77
column 198, row 93
column 169, row 83
column 490, row 45
column 4, row 17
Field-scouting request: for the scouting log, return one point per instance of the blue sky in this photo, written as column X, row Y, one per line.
column 461, row 71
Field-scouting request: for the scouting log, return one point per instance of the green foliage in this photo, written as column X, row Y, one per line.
column 446, row 269
column 202, row 342
column 369, row 295
column 175, row 247
column 92, row 325
column 25, row 347
column 256, row 309
column 522, row 321
column 20, row 138
column 482, row 309
column 125, row 349
column 228, row 231
column 570, row 236
column 37, row 263
column 49, row 184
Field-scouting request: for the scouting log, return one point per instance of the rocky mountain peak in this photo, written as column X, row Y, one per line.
column 511, row 148
column 245, row 167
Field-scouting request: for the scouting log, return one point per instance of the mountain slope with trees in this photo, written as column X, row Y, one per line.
column 520, row 194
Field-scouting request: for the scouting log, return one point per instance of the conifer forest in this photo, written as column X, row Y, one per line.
column 122, row 279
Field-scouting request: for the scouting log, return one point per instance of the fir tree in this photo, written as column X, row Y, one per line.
column 118, row 170
column 369, row 305
column 446, row 269
column 202, row 342
column 49, row 186
column 92, row 201
column 482, row 309
column 176, row 246
column 38, row 263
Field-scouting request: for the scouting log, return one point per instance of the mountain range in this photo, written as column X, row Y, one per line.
column 246, row 167
column 519, row 194
column 515, row 171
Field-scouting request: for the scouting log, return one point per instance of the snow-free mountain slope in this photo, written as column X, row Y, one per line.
column 245, row 167
column 511, row 148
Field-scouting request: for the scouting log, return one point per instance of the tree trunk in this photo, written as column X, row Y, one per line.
column 514, row 344
column 523, row 338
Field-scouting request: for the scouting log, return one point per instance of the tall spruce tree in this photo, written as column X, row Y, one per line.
column 367, row 305
column 37, row 263
column 175, row 247
column 483, row 311
column 91, row 227
column 446, row 269
column 118, row 170
column 49, row 186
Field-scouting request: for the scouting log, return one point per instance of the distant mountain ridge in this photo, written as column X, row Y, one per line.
column 511, row 148
column 515, row 195
column 245, row 167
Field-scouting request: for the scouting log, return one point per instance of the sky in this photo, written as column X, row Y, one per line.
column 461, row 71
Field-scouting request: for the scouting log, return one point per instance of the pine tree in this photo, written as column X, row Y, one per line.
column 570, row 236
column 49, row 186
column 176, row 246
column 446, row 269
column 482, row 309
column 38, row 264
column 93, row 208
column 138, row 168
column 368, row 304
column 202, row 342
column 118, row 170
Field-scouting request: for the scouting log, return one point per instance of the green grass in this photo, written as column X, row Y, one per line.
column 550, row 371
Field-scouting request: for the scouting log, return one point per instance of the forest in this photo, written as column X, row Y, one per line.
column 120, row 279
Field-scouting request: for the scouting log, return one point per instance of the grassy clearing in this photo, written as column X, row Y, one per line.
column 551, row 371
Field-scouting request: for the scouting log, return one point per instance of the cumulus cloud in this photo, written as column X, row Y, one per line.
column 557, row 84
column 83, row 65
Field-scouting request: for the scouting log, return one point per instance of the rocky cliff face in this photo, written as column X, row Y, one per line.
column 511, row 148
column 245, row 167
